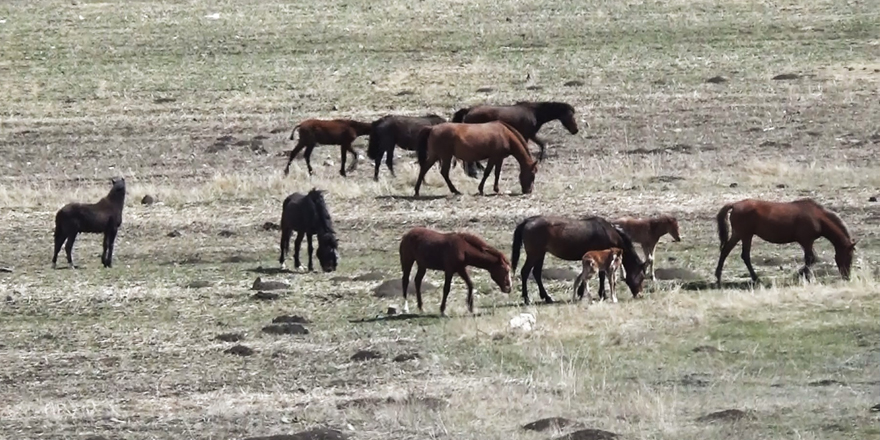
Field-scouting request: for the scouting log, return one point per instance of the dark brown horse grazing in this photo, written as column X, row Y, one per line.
column 802, row 221
column 392, row 130
column 307, row 214
column 103, row 217
column 451, row 252
column 340, row 132
column 527, row 117
column 569, row 239
column 473, row 142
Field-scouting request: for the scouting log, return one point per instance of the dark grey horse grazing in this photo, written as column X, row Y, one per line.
column 103, row 217
column 569, row 239
column 527, row 117
column 391, row 130
column 308, row 214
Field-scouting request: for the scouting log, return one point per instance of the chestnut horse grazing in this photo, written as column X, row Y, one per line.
column 391, row 130
column 473, row 142
column 103, row 217
column 569, row 239
column 451, row 252
column 605, row 261
column 526, row 117
column 802, row 221
column 340, row 132
column 647, row 232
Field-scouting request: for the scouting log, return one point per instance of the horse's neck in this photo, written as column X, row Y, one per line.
column 543, row 115
column 480, row 258
column 361, row 128
column 835, row 234
column 521, row 153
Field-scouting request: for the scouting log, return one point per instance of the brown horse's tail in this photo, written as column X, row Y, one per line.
column 458, row 117
column 292, row 132
column 723, row 229
column 517, row 243
column 422, row 145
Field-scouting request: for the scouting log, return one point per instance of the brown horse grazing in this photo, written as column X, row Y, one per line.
column 647, row 232
column 103, row 217
column 605, row 261
column 451, row 252
column 527, row 117
column 473, row 142
column 391, row 130
column 340, row 132
column 569, row 239
column 802, row 221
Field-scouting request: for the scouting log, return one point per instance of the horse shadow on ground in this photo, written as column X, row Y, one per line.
column 409, row 198
column 270, row 270
column 697, row 285
column 400, row 317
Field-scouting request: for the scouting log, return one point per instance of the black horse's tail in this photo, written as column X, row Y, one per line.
column 517, row 243
column 373, row 147
column 458, row 116
column 422, row 145
column 293, row 131
column 723, row 230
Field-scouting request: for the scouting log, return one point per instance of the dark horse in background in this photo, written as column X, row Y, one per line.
column 307, row 214
column 313, row 132
column 569, row 239
column 527, row 117
column 801, row 221
column 391, row 130
column 103, row 217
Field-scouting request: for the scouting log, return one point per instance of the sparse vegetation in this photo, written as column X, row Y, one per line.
column 193, row 102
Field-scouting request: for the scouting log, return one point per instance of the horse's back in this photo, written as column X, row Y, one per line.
column 427, row 247
column 568, row 238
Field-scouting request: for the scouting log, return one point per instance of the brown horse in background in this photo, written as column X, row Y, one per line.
column 340, row 132
column 525, row 116
column 452, row 253
column 647, row 232
column 569, row 239
column 802, row 221
column 471, row 143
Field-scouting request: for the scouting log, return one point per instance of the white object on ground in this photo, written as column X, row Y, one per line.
column 524, row 321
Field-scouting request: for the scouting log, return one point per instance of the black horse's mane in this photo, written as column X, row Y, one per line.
column 325, row 223
column 629, row 250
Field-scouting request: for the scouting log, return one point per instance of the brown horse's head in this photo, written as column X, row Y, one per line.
column 672, row 228
column 843, row 256
column 527, row 177
column 501, row 275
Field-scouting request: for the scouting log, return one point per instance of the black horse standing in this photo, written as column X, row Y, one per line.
column 525, row 116
column 103, row 217
column 391, row 130
column 307, row 214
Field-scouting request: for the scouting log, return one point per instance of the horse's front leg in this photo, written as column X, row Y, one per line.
column 109, row 240
column 311, row 249
column 463, row 273
column 447, row 284
column 486, row 177
column 542, row 144
column 746, row 257
column 445, row 164
column 423, row 169
column 809, row 260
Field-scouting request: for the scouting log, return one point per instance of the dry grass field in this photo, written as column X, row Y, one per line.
column 193, row 102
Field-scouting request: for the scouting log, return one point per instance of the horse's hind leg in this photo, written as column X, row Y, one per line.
column 293, row 154
column 725, row 251
column 389, row 160
column 406, row 267
column 524, row 273
column 297, row 242
column 345, row 148
column 285, row 245
column 576, row 288
column 539, row 267
column 420, row 275
column 444, row 171
column 746, row 257
column 611, row 282
column 308, row 157
column 649, row 248
column 59, row 243
column 68, row 249
column 602, row 295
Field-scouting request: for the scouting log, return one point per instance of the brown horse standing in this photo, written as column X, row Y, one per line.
column 647, row 232
column 452, row 253
column 569, row 239
column 593, row 262
column 802, row 221
column 526, row 117
column 340, row 132
column 471, row 143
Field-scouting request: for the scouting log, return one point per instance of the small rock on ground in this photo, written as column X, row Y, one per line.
column 229, row 337
column 717, row 80
column 727, row 415
column 174, row 233
column 239, row 350
column 406, row 357
column 265, row 296
column 286, row 328
column 269, row 226
column 259, row 284
column 226, row 233
column 148, row 200
column 784, row 76
column 547, row 423
column 365, row 355
column 312, row 434
column 588, row 434
column 293, row 319
column 198, row 284
column 706, row 349
column 825, row 383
